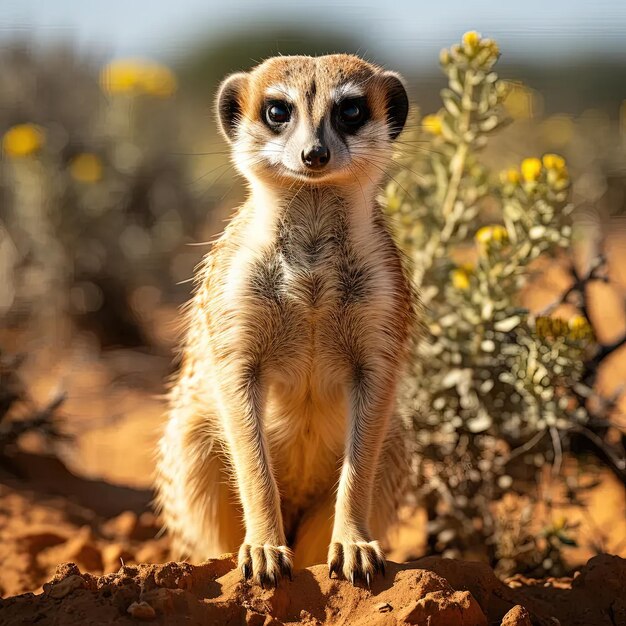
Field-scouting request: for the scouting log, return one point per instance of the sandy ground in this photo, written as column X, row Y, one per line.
column 430, row 592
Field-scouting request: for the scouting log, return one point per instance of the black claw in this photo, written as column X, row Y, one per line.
column 246, row 570
column 285, row 568
column 368, row 579
column 383, row 569
column 333, row 568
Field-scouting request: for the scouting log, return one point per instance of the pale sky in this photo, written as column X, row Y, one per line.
column 402, row 30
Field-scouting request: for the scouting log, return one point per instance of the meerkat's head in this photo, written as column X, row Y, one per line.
column 318, row 120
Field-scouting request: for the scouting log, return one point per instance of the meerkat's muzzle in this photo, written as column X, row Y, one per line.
column 316, row 158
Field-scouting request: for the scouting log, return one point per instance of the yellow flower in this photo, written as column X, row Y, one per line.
column 531, row 169
column 495, row 233
column 558, row 176
column 511, row 176
column 553, row 162
column 86, row 167
column 121, row 76
column 158, row 81
column 23, row 140
column 460, row 278
column 579, row 327
column 432, row 124
column 135, row 76
column 471, row 39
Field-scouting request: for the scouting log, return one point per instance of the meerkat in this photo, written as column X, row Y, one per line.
column 283, row 437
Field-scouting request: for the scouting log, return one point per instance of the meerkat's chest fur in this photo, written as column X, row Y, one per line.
column 319, row 272
column 301, row 295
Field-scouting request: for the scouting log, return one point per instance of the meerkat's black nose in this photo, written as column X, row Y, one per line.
column 316, row 158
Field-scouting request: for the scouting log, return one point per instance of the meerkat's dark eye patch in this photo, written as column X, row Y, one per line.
column 351, row 114
column 276, row 113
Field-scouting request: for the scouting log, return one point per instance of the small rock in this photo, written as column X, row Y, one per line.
column 64, row 570
column 66, row 586
column 128, row 572
column 517, row 616
column 91, row 581
column 141, row 610
column 383, row 607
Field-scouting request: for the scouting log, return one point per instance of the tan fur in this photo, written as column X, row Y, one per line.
column 282, row 427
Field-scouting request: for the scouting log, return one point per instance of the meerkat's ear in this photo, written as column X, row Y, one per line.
column 229, row 102
column 397, row 103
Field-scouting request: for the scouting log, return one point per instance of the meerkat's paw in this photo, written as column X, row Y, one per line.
column 356, row 560
column 265, row 564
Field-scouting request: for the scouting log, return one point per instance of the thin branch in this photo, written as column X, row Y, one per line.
column 531, row 443
column 558, row 451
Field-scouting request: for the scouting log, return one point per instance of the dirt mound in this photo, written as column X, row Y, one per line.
column 431, row 591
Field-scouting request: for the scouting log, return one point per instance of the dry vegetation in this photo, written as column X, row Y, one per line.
column 497, row 391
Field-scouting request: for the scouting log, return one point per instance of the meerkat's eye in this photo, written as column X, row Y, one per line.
column 351, row 114
column 277, row 113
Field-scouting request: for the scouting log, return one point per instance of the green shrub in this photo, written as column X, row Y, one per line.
column 494, row 391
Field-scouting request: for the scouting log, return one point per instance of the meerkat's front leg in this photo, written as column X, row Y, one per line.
column 263, row 556
column 352, row 551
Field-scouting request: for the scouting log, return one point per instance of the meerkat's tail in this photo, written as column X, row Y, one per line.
column 194, row 495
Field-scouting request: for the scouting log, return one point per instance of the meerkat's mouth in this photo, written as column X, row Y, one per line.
column 307, row 174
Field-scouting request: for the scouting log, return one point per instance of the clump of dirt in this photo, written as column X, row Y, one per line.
column 433, row 591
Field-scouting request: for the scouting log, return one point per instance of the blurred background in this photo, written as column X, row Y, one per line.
column 113, row 181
